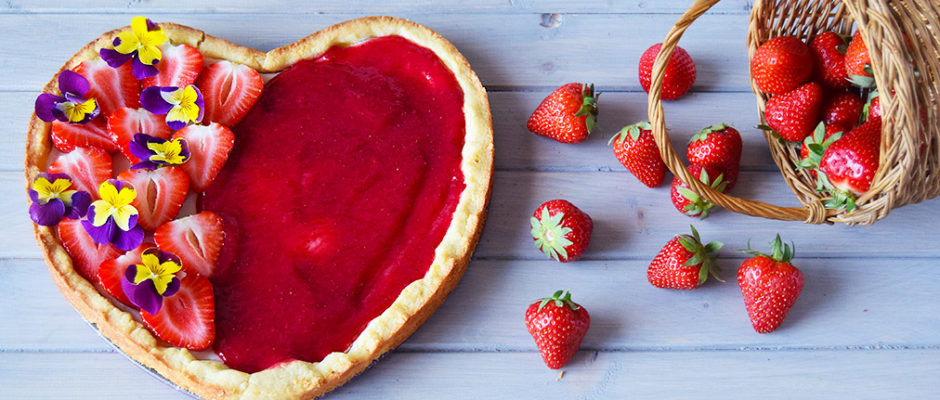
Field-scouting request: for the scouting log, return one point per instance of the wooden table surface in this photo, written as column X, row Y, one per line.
column 867, row 325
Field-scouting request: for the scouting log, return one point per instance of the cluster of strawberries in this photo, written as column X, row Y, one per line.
column 769, row 283
column 817, row 93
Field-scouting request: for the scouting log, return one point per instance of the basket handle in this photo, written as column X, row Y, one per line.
column 813, row 212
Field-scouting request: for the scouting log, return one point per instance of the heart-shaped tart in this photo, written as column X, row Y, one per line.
column 260, row 225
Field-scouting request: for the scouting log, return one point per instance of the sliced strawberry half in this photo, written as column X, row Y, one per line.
column 160, row 194
column 112, row 271
column 112, row 88
column 87, row 256
column 87, row 166
column 187, row 318
column 229, row 91
column 196, row 239
column 179, row 66
column 209, row 147
column 66, row 137
column 124, row 123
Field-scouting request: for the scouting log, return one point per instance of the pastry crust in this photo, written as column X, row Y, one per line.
column 296, row 379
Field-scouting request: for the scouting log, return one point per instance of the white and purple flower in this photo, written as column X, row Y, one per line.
column 147, row 283
column 113, row 220
column 182, row 105
column 140, row 44
column 53, row 200
column 71, row 106
column 155, row 152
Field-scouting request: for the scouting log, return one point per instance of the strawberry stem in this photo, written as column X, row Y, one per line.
column 561, row 298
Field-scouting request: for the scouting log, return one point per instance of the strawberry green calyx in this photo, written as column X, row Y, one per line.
column 701, row 254
column 703, row 134
column 561, row 298
column 699, row 206
column 779, row 251
column 840, row 199
column 631, row 130
column 550, row 235
column 866, row 110
column 588, row 106
column 817, row 144
column 862, row 80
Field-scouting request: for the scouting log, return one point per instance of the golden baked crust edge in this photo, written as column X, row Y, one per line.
column 297, row 379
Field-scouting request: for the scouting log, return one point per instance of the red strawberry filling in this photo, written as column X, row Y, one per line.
column 343, row 179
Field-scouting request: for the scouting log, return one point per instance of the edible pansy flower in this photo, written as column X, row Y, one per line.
column 53, row 200
column 140, row 44
column 182, row 105
column 113, row 219
column 156, row 152
column 71, row 106
column 147, row 283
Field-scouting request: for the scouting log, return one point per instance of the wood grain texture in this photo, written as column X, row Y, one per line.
column 866, row 327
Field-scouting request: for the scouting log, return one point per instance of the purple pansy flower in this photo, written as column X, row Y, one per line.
column 182, row 105
column 113, row 219
column 140, row 44
column 52, row 199
column 155, row 152
column 147, row 283
column 71, row 106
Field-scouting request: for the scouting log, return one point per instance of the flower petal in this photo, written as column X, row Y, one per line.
column 151, row 99
column 99, row 213
column 113, row 57
column 128, row 240
column 79, row 207
column 99, row 234
column 172, row 287
column 143, row 295
column 48, row 214
column 45, row 103
column 149, row 54
column 72, row 82
column 142, row 70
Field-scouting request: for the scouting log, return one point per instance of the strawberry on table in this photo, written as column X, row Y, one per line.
column 858, row 62
column 112, row 271
column 815, row 145
column 196, row 239
column 567, row 115
column 717, row 146
column 842, row 108
column 187, row 318
column 124, row 123
column 636, row 150
column 558, row 325
column 87, row 256
column 87, row 166
column 794, row 115
column 113, row 88
column 179, row 66
column 561, row 230
column 690, row 203
column 850, row 163
column 67, row 136
column 829, row 58
column 209, row 146
column 770, row 285
column 684, row 263
column 168, row 186
column 229, row 90
column 781, row 64
column 679, row 75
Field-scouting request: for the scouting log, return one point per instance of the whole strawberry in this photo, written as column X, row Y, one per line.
column 781, row 64
column 815, row 145
column 829, row 59
column 690, row 203
column 858, row 62
column 717, row 146
column 679, row 75
column 558, row 325
column 567, row 115
column 794, row 114
column 841, row 107
column 684, row 263
column 636, row 149
column 850, row 163
column 770, row 285
column 561, row 230
column 872, row 108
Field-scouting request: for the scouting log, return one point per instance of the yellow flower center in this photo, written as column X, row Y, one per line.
column 57, row 189
column 161, row 273
column 184, row 104
column 169, row 152
column 116, row 204
column 145, row 42
column 76, row 112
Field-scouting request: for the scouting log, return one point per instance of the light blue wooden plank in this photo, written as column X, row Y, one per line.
column 338, row 6
column 859, row 375
column 506, row 50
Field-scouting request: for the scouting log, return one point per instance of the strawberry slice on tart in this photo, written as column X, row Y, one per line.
column 229, row 90
column 163, row 191
column 197, row 239
column 111, row 272
column 124, row 123
column 210, row 146
column 179, row 66
column 87, row 166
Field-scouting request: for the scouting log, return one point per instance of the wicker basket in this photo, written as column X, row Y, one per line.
column 909, row 170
